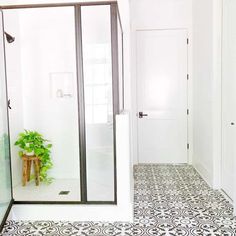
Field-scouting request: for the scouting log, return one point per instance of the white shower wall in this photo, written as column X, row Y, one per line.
column 48, row 56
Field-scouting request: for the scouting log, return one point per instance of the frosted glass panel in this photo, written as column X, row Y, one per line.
column 96, row 35
column 5, row 176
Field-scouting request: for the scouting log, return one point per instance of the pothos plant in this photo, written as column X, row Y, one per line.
column 33, row 142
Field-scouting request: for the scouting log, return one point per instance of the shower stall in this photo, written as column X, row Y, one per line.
column 62, row 76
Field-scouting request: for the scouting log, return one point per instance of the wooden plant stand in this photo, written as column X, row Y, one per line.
column 27, row 160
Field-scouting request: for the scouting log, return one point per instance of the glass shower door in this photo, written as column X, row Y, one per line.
column 44, row 98
column 5, row 173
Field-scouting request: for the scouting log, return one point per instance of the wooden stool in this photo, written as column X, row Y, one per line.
column 27, row 169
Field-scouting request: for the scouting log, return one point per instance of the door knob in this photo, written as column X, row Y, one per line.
column 141, row 114
column 232, row 123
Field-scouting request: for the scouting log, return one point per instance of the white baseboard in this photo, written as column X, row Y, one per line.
column 204, row 173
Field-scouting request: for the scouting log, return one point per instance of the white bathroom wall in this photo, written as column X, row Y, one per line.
column 202, row 92
column 207, row 89
column 124, row 10
column 161, row 14
column 154, row 15
column 14, row 82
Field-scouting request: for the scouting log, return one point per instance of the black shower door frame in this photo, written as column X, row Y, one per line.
column 115, row 20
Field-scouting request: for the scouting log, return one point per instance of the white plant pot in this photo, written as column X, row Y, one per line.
column 29, row 153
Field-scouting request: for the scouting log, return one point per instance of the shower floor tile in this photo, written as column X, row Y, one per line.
column 49, row 192
column 168, row 200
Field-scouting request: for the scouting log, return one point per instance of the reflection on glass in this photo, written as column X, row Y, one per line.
column 5, row 176
column 96, row 35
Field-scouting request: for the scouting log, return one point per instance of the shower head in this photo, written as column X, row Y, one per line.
column 9, row 38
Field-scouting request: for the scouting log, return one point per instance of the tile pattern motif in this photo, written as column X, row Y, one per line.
column 168, row 200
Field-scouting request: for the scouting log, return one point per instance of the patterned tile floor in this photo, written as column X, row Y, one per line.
column 169, row 200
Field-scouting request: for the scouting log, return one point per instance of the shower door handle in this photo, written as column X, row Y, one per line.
column 9, row 103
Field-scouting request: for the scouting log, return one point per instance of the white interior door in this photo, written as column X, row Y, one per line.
column 228, row 97
column 162, row 96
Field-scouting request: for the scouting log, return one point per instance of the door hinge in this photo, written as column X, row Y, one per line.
column 187, row 76
column 187, row 111
column 187, row 145
column 187, row 40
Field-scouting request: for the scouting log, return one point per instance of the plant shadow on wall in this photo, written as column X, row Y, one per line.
column 31, row 144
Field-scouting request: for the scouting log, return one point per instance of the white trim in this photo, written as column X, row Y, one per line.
column 204, row 173
column 226, row 196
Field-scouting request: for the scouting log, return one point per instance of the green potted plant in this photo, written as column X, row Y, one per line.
column 33, row 143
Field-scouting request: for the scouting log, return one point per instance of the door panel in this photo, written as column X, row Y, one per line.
column 162, row 96
column 228, row 96
column 5, row 173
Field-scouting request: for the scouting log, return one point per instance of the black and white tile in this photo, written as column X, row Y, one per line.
column 168, row 200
